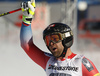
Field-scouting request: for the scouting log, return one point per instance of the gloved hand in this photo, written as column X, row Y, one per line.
column 28, row 9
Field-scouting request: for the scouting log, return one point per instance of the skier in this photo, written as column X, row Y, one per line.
column 58, row 38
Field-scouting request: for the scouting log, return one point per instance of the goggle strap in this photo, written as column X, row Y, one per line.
column 67, row 34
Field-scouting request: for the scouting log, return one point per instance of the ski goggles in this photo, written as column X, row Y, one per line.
column 56, row 37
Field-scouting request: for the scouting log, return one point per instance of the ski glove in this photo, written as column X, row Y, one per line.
column 28, row 9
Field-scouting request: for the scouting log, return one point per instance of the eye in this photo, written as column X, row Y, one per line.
column 56, row 39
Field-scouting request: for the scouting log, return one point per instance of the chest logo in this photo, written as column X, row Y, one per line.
column 69, row 68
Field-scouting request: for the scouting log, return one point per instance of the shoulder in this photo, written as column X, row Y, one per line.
column 88, row 64
column 88, row 68
column 78, row 57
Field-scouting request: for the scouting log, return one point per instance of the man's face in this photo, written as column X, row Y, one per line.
column 54, row 42
column 56, row 48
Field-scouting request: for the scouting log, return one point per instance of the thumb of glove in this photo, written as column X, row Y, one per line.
column 31, row 7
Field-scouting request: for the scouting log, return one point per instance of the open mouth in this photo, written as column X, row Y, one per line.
column 54, row 49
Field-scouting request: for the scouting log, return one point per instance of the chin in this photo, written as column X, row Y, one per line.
column 57, row 56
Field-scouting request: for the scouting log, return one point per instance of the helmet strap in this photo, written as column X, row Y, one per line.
column 65, row 49
column 64, row 52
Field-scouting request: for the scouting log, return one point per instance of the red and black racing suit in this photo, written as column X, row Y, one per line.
column 73, row 65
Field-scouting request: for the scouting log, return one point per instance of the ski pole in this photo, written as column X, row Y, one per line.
column 10, row 12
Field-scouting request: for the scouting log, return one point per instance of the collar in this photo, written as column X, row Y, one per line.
column 71, row 56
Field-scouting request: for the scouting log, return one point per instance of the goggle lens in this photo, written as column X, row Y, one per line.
column 54, row 38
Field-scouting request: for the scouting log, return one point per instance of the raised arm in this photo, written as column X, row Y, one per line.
column 27, row 44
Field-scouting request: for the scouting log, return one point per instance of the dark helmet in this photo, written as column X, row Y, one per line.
column 64, row 30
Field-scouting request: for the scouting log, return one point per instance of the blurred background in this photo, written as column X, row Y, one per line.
column 83, row 16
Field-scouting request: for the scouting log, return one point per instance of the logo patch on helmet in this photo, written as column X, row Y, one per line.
column 51, row 26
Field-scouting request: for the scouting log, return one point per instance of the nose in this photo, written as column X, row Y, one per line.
column 51, row 43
